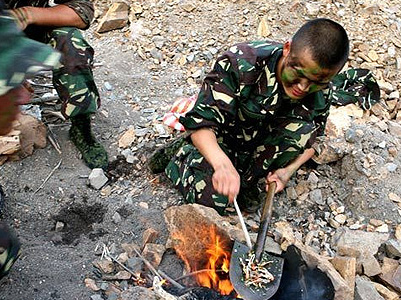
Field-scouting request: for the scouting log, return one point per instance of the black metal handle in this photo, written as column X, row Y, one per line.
column 264, row 221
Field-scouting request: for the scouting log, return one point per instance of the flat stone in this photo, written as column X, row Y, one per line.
column 291, row 193
column 346, row 266
column 385, row 292
column 138, row 293
column 365, row 290
column 106, row 266
column 398, row 232
column 370, row 265
column 316, row 196
column 154, row 253
column 115, row 18
column 390, row 269
column 149, row 236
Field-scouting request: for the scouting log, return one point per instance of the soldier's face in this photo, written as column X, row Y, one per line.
column 300, row 75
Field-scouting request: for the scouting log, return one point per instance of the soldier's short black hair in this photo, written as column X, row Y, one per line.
column 326, row 39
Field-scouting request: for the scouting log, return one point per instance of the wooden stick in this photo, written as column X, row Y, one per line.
column 197, row 272
column 54, row 144
column 159, row 273
column 243, row 226
column 48, row 176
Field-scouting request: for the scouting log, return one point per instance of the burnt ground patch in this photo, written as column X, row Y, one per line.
column 78, row 219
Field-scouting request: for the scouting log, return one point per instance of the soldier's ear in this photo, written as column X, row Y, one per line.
column 287, row 48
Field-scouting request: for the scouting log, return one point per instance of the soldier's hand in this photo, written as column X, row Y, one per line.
column 280, row 176
column 9, row 107
column 23, row 16
column 226, row 181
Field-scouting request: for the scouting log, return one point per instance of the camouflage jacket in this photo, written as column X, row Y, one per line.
column 84, row 8
column 241, row 98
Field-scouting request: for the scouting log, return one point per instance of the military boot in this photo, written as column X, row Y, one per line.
column 93, row 153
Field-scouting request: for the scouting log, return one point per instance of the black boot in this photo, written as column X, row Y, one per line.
column 93, row 153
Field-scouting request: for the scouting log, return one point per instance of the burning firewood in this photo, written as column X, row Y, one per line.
column 256, row 273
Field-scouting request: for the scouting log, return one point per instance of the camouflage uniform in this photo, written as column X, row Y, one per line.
column 19, row 58
column 73, row 78
column 256, row 124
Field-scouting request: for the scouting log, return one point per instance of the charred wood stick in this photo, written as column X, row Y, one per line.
column 198, row 272
column 159, row 273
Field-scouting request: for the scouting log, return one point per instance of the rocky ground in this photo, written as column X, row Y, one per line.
column 162, row 53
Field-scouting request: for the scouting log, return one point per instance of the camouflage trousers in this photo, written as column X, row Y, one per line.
column 9, row 249
column 73, row 78
column 192, row 174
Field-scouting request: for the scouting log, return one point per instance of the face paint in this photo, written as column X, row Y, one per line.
column 301, row 77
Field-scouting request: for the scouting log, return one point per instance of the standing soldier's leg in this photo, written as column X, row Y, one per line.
column 75, row 85
column 192, row 175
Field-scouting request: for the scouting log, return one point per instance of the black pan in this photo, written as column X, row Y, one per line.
column 241, row 251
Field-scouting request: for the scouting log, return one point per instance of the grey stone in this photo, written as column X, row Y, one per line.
column 138, row 293
column 316, row 196
column 97, row 179
column 350, row 136
column 365, row 290
column 135, row 264
column 391, row 167
column 393, row 248
column 394, row 128
column 108, row 86
column 96, row 297
column 116, row 218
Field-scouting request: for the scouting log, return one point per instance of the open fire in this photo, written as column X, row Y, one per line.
column 207, row 254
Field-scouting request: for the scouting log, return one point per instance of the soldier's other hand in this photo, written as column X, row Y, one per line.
column 9, row 107
column 280, row 176
column 23, row 16
column 226, row 181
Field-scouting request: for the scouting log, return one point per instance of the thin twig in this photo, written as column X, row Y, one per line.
column 53, row 140
column 54, row 144
column 108, row 255
column 48, row 176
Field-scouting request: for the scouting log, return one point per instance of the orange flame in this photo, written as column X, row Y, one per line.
column 218, row 264
column 205, row 249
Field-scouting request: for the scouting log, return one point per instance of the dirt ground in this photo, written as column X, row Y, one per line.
column 137, row 92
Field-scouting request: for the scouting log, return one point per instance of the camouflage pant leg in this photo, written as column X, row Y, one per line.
column 9, row 249
column 286, row 141
column 73, row 79
column 192, row 175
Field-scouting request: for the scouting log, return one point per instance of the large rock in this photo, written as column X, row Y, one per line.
column 193, row 228
column 335, row 146
column 115, row 18
column 364, row 245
